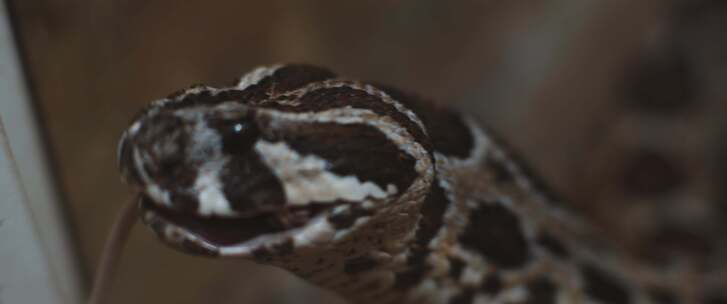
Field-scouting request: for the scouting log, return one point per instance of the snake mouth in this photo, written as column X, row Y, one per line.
column 210, row 235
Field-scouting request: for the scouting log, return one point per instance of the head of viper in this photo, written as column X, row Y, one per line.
column 290, row 157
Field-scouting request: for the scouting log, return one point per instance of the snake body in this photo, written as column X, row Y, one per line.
column 370, row 192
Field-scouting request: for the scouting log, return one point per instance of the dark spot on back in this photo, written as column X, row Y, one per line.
column 495, row 232
column 359, row 264
column 491, row 284
column 662, row 296
column 464, row 297
column 553, row 245
column 604, row 287
column 447, row 131
column 357, row 150
column 541, row 291
column 455, row 268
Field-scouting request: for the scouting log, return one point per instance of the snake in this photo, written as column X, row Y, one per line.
column 374, row 193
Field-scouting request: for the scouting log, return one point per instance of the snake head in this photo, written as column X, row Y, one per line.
column 287, row 157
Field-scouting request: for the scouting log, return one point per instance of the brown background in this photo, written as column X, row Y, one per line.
column 620, row 104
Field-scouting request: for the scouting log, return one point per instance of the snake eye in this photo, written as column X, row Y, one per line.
column 238, row 137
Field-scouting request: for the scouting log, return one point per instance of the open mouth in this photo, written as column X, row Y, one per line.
column 219, row 232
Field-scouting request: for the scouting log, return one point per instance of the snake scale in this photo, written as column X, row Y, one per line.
column 373, row 193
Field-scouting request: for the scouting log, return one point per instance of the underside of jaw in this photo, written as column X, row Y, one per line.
column 240, row 237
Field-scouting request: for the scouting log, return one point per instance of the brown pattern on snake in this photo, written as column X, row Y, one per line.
column 260, row 170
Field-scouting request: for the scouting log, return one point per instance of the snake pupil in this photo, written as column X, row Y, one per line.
column 239, row 137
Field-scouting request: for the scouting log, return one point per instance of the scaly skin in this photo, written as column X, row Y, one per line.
column 372, row 193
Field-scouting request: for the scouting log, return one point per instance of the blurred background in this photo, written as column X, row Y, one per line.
column 618, row 104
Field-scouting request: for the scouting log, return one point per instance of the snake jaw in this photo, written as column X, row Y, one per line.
column 240, row 237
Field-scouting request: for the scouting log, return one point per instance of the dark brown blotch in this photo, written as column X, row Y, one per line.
column 295, row 76
column 184, row 201
column 284, row 79
column 250, row 186
column 495, row 232
column 447, row 131
column 433, row 209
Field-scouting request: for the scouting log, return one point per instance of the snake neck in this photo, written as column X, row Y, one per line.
column 370, row 261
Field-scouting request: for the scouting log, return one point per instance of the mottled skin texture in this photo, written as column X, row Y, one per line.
column 372, row 193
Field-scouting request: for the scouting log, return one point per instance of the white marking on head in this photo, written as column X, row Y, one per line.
column 212, row 200
column 390, row 128
column 207, row 146
column 255, row 76
column 306, row 179
column 319, row 231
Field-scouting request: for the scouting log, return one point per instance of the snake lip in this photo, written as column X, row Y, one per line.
column 208, row 235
